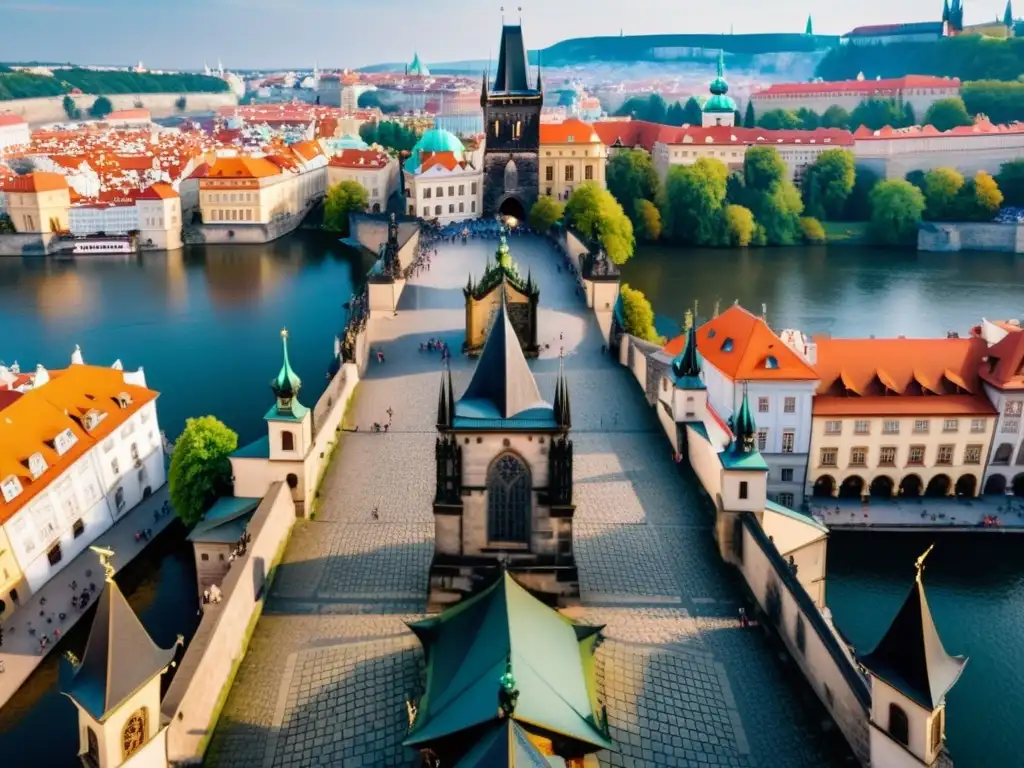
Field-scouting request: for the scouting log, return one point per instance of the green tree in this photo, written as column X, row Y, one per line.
column 980, row 198
column 1000, row 102
column 828, row 183
column 778, row 120
column 545, row 213
column 200, row 470
column 638, row 314
column 917, row 179
column 343, row 198
column 739, row 225
column 835, row 117
column 909, row 118
column 896, row 210
column 594, row 213
column 1008, row 14
column 858, row 204
column 691, row 205
column 675, row 115
column 656, row 109
column 1011, row 181
column 692, row 112
column 631, row 177
column 941, row 188
column 648, row 220
column 6, row 225
column 878, row 113
column 749, row 119
column 778, row 212
column 181, row 104
column 71, row 109
column 809, row 119
column 368, row 132
column 101, row 108
column 947, row 113
column 763, row 168
column 812, row 230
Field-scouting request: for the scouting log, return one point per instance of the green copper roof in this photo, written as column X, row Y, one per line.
column 470, row 646
column 438, row 140
column 687, row 365
column 287, row 383
column 504, row 745
column 225, row 521
column 719, row 102
column 417, row 67
column 743, row 453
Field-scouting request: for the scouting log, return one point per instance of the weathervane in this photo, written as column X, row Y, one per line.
column 105, row 555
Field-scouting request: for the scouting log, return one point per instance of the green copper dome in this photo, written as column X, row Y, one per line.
column 434, row 140
column 719, row 101
column 286, row 385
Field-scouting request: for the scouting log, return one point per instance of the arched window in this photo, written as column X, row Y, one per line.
column 287, row 441
column 1003, row 454
column 899, row 727
column 511, row 176
column 508, row 500
column 292, row 480
column 135, row 733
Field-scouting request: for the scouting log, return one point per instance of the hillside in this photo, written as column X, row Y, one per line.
column 16, row 85
column 969, row 58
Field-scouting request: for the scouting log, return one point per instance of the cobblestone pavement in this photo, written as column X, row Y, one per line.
column 682, row 683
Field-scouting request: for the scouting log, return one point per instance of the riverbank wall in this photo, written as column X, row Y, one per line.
column 952, row 237
column 50, row 109
column 27, row 244
column 240, row 233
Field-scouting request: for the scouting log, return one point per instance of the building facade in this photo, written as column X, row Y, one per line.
column 14, row 132
column 920, row 91
column 373, row 169
column 1002, row 375
column 39, row 203
column 160, row 219
column 571, row 153
column 887, row 34
column 443, row 181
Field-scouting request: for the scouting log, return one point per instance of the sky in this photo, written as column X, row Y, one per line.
column 345, row 33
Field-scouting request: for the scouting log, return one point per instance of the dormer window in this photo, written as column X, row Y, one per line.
column 36, row 465
column 124, row 400
column 63, row 442
column 727, row 345
column 92, row 419
column 771, row 362
column 711, row 333
column 11, row 487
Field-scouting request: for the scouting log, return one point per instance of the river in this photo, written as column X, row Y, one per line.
column 204, row 324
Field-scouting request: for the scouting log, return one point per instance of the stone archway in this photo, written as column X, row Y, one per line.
column 1018, row 485
column 967, row 485
column 512, row 206
column 824, row 486
column 911, row 487
column 882, row 487
column 852, row 487
column 938, row 487
column 995, row 484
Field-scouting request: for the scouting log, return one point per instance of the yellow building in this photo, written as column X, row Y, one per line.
column 899, row 417
column 571, row 153
column 13, row 587
column 39, row 203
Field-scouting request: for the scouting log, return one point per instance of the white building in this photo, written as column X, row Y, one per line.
column 920, row 91
column 108, row 218
column 443, row 181
column 65, row 479
column 14, row 132
column 1002, row 375
column 159, row 216
column 373, row 169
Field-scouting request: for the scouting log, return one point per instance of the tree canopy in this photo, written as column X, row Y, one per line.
column 648, row 220
column 779, row 120
column 631, row 176
column 827, row 184
column 343, row 198
column 835, row 117
column 593, row 212
column 896, row 210
column 1000, row 102
column 545, row 213
column 1011, row 182
column 101, row 108
column 947, row 113
column 17, row 85
column 979, row 198
column 878, row 113
column 739, row 225
column 638, row 314
column 200, row 470
column 749, row 119
column 389, row 134
column 941, row 188
column 71, row 108
column 691, row 206
column 692, row 112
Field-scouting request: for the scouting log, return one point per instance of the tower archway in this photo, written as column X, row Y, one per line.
column 512, row 206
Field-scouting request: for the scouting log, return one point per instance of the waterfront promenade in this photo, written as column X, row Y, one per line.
column 1005, row 515
column 21, row 652
column 331, row 661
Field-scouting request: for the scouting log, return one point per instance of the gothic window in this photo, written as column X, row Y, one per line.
column 134, row 734
column 899, row 726
column 511, row 176
column 508, row 500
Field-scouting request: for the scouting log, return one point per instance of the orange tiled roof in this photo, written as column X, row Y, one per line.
column 9, row 119
column 307, row 150
column 242, row 167
column 633, row 133
column 128, row 114
column 744, row 348
column 360, row 158
column 30, row 424
column 1004, row 366
column 39, row 181
column 572, row 130
column 159, row 191
column 446, row 160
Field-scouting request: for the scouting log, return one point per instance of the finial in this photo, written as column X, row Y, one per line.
column 284, row 333
column 919, row 563
column 507, row 691
column 105, row 555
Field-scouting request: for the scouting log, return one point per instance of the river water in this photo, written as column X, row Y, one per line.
column 204, row 324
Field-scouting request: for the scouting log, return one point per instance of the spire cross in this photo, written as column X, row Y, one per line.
column 919, row 563
column 105, row 555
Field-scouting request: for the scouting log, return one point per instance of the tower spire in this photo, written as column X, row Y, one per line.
column 745, row 428
column 287, row 383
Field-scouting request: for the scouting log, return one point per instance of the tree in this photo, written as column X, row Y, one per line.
column 691, row 205
column 1008, row 15
column 1011, row 181
column 692, row 112
column 858, row 204
column 675, row 115
column 945, row 114
column 878, row 113
column 917, row 179
column 739, row 225
column 835, row 117
column 638, row 314
column 6, row 225
column 812, row 230
column 343, row 198
column 71, row 109
column 648, row 220
column 896, row 210
column 778, row 120
column 368, row 132
column 828, row 183
column 749, row 120
column 545, row 213
column 101, row 108
column 979, row 198
column 595, row 214
column 763, row 168
column 778, row 211
column 656, row 109
column 809, row 119
column 1000, row 102
column 941, row 188
column 631, row 177
column 200, row 470
column 181, row 104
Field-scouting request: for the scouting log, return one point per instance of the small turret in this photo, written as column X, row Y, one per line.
column 746, row 429
column 687, row 366
column 287, row 383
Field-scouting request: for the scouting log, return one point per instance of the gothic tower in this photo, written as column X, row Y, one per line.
column 512, row 127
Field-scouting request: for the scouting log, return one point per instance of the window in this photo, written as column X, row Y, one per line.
column 1010, row 427
column 570, row 172
column 135, row 452
column 204, row 557
column 977, row 426
column 972, row 454
column 287, row 441
column 789, row 405
column 762, row 405
column 426, row 210
column 921, row 427
column 549, row 173
column 743, row 489
column 54, row 554
column 762, row 440
column 135, row 733
column 293, row 480
column 887, row 457
column 862, row 427
column 945, row 457
column 114, row 467
column 473, row 188
column 951, row 425
column 119, row 499
column 833, row 427
column 588, row 172
column 916, row 456
column 462, row 207
column 890, row 427
column 785, row 499
column 899, row 727
column 462, row 189
column 472, row 205
column 1013, row 408
column 437, row 210
column 829, row 457
column 78, row 528
column 509, row 490
column 788, row 440
column 858, row 457
column 801, row 634
column 787, row 475
column 440, row 191
column 426, row 192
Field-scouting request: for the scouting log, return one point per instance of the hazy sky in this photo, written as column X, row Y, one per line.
column 276, row 33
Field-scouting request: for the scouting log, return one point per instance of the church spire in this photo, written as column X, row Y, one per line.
column 540, row 87
column 1008, row 15
column 562, row 408
column 442, row 405
column 287, row 383
column 745, row 428
column 687, row 366
column 483, row 87
column 809, row 29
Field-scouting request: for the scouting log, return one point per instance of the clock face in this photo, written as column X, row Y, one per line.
column 134, row 735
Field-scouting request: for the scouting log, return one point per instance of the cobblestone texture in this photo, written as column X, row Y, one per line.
column 682, row 683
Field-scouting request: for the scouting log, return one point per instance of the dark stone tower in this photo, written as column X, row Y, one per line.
column 512, row 127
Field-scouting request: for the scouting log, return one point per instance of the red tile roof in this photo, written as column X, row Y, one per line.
column 572, row 130
column 1004, row 366
column 159, row 191
column 360, row 158
column 38, row 181
column 980, row 128
column 859, row 87
column 640, row 133
column 8, row 119
column 243, row 167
